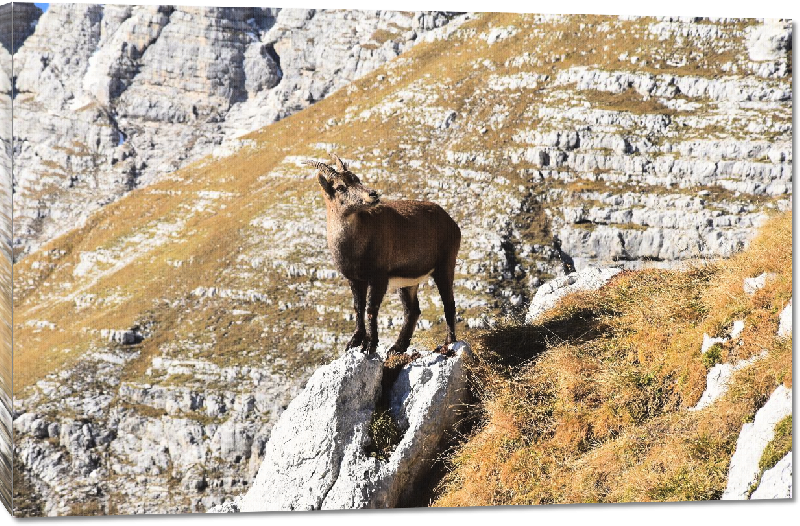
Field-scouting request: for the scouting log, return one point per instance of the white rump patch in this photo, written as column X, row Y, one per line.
column 399, row 283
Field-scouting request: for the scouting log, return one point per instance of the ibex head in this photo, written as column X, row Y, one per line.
column 341, row 186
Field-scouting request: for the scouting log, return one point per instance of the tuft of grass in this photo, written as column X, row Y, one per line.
column 713, row 356
column 384, row 434
column 629, row 100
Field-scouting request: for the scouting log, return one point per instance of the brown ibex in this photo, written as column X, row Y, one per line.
column 385, row 245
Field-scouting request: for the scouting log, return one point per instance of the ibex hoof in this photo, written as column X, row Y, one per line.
column 369, row 348
column 355, row 341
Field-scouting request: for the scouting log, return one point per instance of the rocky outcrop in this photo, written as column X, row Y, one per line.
column 745, row 479
column 6, row 448
column 5, row 145
column 6, row 444
column 586, row 280
column 785, row 323
column 317, row 455
column 17, row 22
column 128, row 94
column 776, row 483
column 770, row 41
column 520, row 147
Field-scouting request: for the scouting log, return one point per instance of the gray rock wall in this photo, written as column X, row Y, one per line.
column 161, row 446
column 6, row 445
column 526, row 149
column 127, row 94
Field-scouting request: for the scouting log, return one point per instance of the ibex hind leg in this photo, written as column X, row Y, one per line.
column 411, row 312
column 444, row 282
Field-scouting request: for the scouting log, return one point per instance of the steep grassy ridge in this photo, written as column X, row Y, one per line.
column 599, row 413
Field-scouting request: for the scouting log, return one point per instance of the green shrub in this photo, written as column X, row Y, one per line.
column 713, row 356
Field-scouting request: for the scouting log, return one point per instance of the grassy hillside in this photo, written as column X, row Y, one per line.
column 590, row 403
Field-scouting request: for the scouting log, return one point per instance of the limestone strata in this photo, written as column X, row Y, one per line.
column 6, row 433
column 670, row 145
column 87, row 431
column 127, row 94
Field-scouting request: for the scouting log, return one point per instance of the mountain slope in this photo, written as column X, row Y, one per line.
column 187, row 313
column 129, row 93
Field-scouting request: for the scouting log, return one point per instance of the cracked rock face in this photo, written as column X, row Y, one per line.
column 316, row 457
column 128, row 94
column 157, row 447
column 753, row 439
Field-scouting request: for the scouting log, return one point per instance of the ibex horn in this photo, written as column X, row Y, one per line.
column 322, row 167
column 339, row 164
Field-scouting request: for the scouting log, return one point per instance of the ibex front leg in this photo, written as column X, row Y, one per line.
column 411, row 314
column 377, row 289
column 359, row 289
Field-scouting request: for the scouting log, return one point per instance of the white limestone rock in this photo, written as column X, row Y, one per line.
column 424, row 400
column 308, row 444
column 785, row 324
column 718, row 379
column 751, row 285
column 754, row 437
column 586, row 280
column 776, row 482
column 316, row 459
column 770, row 40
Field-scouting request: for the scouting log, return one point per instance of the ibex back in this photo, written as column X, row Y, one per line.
column 379, row 246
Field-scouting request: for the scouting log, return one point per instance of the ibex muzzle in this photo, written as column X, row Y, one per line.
column 380, row 245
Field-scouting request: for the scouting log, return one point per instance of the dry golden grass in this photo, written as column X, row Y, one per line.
column 629, row 100
column 598, row 413
column 594, row 416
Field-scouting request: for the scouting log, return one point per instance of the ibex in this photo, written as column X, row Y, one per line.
column 380, row 245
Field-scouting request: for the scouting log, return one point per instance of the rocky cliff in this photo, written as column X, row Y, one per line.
column 128, row 94
column 205, row 297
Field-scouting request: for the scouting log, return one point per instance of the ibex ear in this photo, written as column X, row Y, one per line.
column 326, row 186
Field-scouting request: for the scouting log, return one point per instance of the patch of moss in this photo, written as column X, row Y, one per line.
column 778, row 446
column 713, row 356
